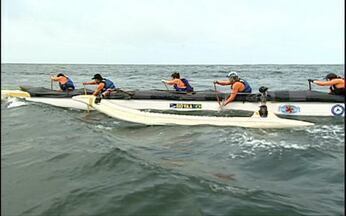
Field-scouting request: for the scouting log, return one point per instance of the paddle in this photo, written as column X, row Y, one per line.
column 310, row 81
column 217, row 96
column 85, row 92
column 165, row 84
column 88, row 104
column 51, row 84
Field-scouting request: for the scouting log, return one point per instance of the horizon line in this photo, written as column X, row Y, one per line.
column 173, row 63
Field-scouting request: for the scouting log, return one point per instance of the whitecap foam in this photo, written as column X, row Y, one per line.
column 14, row 102
column 103, row 127
column 326, row 129
column 244, row 145
column 293, row 146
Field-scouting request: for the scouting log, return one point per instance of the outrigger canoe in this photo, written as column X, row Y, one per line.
column 291, row 103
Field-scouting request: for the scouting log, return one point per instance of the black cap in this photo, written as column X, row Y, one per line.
column 60, row 74
column 331, row 76
column 97, row 76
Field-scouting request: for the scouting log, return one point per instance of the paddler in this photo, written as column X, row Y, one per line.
column 336, row 83
column 105, row 86
column 237, row 85
column 65, row 83
column 179, row 84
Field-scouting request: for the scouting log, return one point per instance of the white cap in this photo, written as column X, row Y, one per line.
column 232, row 74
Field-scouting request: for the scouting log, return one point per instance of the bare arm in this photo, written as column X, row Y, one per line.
column 55, row 78
column 99, row 89
column 326, row 83
column 223, row 82
column 89, row 83
column 171, row 82
column 233, row 95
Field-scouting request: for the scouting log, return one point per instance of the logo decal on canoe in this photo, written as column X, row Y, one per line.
column 185, row 106
column 338, row 110
column 289, row 109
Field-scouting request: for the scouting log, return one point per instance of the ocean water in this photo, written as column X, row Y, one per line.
column 57, row 161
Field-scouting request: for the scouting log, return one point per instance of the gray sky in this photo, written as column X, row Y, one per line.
column 173, row 31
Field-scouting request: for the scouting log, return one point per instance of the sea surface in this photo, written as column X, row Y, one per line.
column 57, row 161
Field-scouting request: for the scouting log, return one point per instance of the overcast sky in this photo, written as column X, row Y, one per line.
column 173, row 31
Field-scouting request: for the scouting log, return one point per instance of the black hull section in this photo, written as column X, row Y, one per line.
column 280, row 96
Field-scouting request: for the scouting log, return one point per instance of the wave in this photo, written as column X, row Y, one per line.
column 14, row 102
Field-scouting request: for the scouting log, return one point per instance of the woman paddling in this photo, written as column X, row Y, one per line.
column 237, row 85
column 65, row 83
column 104, row 86
column 336, row 83
column 180, row 85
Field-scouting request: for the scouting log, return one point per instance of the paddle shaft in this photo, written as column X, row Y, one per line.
column 217, row 96
column 84, row 90
column 166, row 86
column 89, row 103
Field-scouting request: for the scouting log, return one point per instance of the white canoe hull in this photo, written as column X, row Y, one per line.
column 136, row 116
column 60, row 102
column 281, row 108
